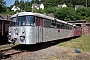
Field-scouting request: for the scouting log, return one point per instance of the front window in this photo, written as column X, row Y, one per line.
column 30, row 21
column 22, row 21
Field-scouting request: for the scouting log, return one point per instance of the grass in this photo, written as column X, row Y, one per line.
column 82, row 43
column 6, row 46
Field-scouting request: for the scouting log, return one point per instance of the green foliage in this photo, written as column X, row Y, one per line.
column 84, row 13
column 39, row 11
column 7, row 46
column 67, row 14
column 2, row 6
column 27, row 6
column 8, row 12
column 50, row 10
column 50, row 3
column 16, row 3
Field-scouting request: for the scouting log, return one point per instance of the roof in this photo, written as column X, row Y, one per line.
column 59, row 6
column 1, row 18
column 78, row 21
column 39, row 15
column 35, row 5
column 79, row 6
column 15, row 8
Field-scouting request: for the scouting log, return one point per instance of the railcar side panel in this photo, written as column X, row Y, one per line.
column 54, row 34
column 39, row 34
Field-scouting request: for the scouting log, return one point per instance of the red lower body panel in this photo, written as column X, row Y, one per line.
column 77, row 32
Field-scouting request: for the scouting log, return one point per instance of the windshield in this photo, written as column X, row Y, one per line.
column 22, row 21
column 30, row 21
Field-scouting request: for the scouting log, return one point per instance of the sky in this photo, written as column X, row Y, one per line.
column 11, row 2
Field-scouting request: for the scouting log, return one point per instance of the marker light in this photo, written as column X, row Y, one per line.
column 16, row 33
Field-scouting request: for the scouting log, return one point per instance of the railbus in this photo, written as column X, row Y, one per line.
column 32, row 28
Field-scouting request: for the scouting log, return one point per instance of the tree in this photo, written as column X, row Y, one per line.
column 84, row 13
column 50, row 10
column 39, row 10
column 67, row 14
column 21, row 4
column 27, row 6
column 16, row 3
column 50, row 3
column 2, row 6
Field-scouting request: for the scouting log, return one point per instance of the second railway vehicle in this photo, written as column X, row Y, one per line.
column 32, row 28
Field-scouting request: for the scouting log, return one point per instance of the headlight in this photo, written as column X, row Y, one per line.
column 22, row 37
column 9, row 31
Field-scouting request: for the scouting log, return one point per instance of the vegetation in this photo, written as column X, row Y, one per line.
column 66, row 14
column 82, row 43
column 2, row 6
column 7, row 46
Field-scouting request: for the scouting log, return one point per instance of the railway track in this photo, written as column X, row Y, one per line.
column 42, row 51
column 22, row 50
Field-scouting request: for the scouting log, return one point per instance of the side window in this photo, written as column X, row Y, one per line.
column 53, row 24
column 47, row 23
column 62, row 26
column 58, row 25
column 66, row 26
column 70, row 27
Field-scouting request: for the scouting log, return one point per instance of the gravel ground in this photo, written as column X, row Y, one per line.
column 46, row 51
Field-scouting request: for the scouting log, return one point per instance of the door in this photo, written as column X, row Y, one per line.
column 39, row 29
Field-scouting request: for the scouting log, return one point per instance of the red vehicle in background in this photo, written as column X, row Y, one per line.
column 77, row 31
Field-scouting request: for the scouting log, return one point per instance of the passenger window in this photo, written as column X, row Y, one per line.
column 58, row 25
column 54, row 25
column 66, row 26
column 47, row 23
column 62, row 26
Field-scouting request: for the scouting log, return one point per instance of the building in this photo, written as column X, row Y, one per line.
column 37, row 6
column 15, row 8
column 78, row 6
column 62, row 6
column 5, row 17
column 84, row 25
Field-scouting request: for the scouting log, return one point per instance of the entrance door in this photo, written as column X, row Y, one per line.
column 39, row 30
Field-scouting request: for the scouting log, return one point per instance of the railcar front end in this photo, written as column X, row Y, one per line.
column 22, row 35
column 22, row 30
